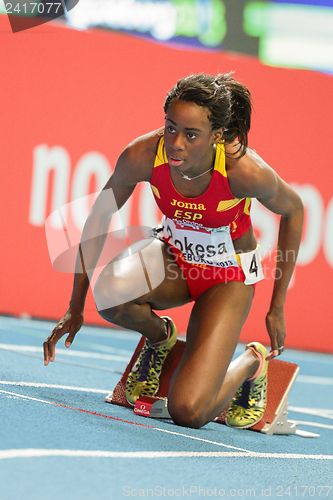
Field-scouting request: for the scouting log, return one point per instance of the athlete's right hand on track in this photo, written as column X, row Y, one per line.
column 70, row 323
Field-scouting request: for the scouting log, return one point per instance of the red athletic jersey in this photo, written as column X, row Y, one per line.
column 214, row 208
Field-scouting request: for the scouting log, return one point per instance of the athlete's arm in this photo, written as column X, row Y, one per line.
column 250, row 176
column 113, row 196
column 133, row 166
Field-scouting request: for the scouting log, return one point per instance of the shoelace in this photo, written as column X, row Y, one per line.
column 242, row 398
column 148, row 356
column 247, row 395
column 149, row 359
column 256, row 393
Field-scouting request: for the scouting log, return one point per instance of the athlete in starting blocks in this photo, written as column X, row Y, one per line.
column 203, row 176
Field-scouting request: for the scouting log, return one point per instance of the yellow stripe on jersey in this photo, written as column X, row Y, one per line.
column 161, row 157
column 155, row 191
column 247, row 206
column 225, row 205
column 219, row 164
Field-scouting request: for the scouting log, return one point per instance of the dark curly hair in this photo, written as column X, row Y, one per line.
column 228, row 101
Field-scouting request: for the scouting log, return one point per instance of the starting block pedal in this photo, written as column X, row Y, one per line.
column 281, row 376
column 153, row 407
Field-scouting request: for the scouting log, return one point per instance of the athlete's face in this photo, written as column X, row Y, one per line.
column 189, row 138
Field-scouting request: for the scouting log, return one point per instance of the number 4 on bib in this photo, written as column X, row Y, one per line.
column 254, row 265
column 251, row 265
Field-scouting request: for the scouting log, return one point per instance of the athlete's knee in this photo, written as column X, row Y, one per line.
column 187, row 413
column 110, row 292
column 113, row 314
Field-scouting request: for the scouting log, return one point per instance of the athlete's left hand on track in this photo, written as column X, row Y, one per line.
column 276, row 327
column 70, row 323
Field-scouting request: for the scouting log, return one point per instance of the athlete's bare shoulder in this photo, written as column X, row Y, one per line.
column 248, row 174
column 136, row 162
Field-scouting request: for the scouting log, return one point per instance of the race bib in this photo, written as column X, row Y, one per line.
column 251, row 265
column 210, row 246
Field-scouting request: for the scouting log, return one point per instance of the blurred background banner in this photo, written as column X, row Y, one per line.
column 71, row 101
column 286, row 33
column 293, row 33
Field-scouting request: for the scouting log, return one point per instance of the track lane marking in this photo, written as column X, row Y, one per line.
column 97, row 414
column 65, row 352
column 313, row 411
column 312, row 424
column 124, row 356
column 55, row 386
column 314, row 379
column 316, row 412
column 45, row 327
column 67, row 407
column 37, row 453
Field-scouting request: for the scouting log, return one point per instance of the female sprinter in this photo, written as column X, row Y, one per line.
column 203, row 176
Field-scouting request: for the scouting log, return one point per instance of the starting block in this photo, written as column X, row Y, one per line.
column 281, row 376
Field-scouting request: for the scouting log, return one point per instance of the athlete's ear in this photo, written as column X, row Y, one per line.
column 218, row 135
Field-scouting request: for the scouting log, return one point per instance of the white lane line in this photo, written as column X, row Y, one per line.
column 298, row 409
column 311, row 411
column 46, row 326
column 317, row 412
column 98, row 391
column 105, row 332
column 313, row 424
column 99, row 367
column 22, row 396
column 33, row 453
column 295, row 355
column 188, row 436
column 241, row 451
column 65, row 352
column 126, row 357
column 111, row 350
column 55, row 386
column 312, row 379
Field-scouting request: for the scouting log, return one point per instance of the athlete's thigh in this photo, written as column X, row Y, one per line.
column 213, row 332
column 147, row 273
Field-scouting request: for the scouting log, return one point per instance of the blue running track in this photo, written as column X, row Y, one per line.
column 59, row 439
